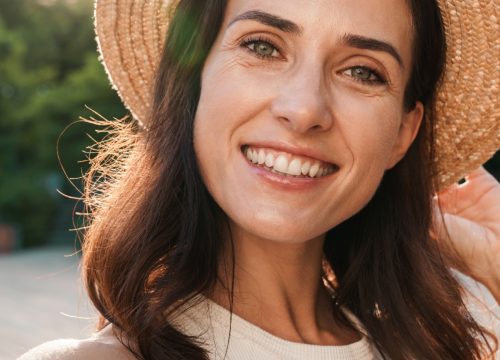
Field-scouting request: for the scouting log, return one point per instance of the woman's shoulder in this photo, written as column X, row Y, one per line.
column 101, row 345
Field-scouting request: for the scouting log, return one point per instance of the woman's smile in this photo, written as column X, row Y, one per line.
column 297, row 124
column 283, row 169
column 287, row 164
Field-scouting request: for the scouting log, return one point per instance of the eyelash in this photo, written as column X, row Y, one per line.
column 380, row 80
column 253, row 40
column 245, row 43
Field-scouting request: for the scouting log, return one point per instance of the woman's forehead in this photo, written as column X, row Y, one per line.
column 385, row 20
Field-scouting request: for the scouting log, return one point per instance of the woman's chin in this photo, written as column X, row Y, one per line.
column 278, row 230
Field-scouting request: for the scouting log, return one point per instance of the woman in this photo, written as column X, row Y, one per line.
column 276, row 201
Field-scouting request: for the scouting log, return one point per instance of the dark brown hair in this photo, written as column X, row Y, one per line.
column 155, row 234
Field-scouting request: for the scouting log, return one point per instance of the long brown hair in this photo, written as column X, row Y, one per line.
column 155, row 234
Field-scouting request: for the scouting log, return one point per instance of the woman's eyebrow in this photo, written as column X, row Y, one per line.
column 361, row 42
column 288, row 26
column 270, row 20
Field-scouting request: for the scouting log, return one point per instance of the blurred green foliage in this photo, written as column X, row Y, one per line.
column 49, row 71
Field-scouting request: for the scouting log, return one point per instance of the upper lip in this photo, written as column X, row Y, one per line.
column 292, row 149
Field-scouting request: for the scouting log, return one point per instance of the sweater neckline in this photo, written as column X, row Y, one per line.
column 222, row 321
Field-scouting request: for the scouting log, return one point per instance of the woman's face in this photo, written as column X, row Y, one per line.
column 301, row 111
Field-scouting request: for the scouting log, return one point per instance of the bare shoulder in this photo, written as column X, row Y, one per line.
column 102, row 345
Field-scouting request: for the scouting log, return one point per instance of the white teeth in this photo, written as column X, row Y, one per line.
column 314, row 170
column 269, row 160
column 262, row 157
column 249, row 154
column 281, row 164
column 294, row 168
column 305, row 168
column 255, row 157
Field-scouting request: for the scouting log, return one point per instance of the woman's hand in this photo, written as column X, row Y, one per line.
column 471, row 212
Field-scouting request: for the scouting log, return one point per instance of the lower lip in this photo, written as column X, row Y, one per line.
column 284, row 181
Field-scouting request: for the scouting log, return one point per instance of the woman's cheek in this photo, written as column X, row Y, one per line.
column 370, row 128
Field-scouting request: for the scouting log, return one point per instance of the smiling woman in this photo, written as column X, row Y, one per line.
column 349, row 119
column 275, row 198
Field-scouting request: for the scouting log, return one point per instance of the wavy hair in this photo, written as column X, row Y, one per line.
column 155, row 235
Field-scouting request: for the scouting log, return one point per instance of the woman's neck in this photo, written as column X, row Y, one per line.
column 278, row 287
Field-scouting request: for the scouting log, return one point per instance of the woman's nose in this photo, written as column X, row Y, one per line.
column 302, row 103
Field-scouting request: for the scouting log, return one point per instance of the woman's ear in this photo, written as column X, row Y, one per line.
column 408, row 130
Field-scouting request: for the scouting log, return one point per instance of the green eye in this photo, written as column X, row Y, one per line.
column 262, row 48
column 364, row 74
column 361, row 73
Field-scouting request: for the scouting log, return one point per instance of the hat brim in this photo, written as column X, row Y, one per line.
column 131, row 35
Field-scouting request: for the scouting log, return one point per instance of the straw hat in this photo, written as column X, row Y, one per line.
column 131, row 34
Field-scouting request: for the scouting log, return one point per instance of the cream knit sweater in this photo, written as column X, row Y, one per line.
column 210, row 323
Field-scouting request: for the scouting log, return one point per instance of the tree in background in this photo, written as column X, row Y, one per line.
column 48, row 72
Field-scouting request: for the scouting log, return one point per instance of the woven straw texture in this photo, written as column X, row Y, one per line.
column 131, row 34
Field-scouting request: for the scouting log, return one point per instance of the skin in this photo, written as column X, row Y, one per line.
column 303, row 99
column 471, row 214
column 309, row 99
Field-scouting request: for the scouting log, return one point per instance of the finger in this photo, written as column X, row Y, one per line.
column 457, row 197
column 457, row 232
column 460, row 241
column 479, row 173
column 448, row 200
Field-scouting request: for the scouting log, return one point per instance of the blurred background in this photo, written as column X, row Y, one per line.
column 49, row 73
